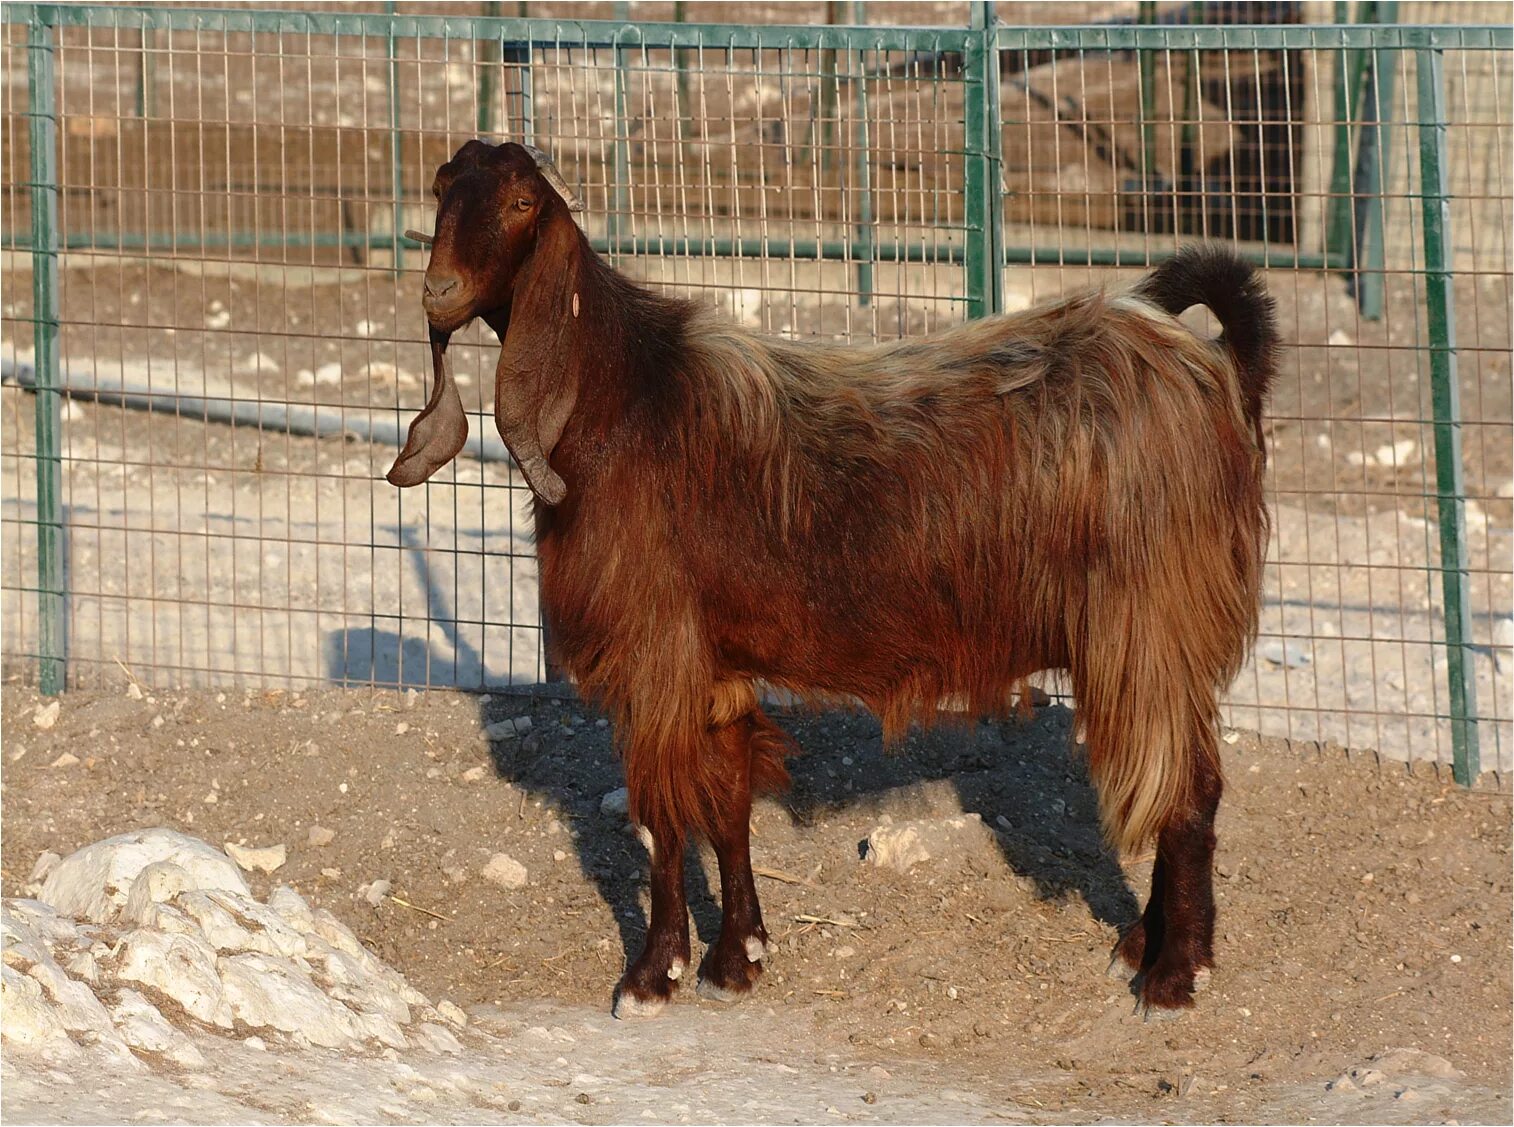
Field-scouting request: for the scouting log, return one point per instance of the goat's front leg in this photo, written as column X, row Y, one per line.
column 734, row 961
column 653, row 977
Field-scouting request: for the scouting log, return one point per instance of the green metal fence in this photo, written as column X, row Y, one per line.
column 221, row 337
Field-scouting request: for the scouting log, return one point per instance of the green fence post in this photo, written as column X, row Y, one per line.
column 51, row 610
column 1350, row 66
column 983, row 159
column 490, row 53
column 1450, row 486
column 864, row 168
column 1372, row 158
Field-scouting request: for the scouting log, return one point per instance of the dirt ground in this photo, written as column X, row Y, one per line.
column 1364, row 905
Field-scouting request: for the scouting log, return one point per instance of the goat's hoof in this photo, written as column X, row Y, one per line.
column 712, row 993
column 1165, row 990
column 647, row 987
column 1119, row 970
column 628, row 1005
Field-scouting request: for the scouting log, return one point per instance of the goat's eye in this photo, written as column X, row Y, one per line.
column 524, row 203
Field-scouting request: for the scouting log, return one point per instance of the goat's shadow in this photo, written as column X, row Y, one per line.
column 1019, row 775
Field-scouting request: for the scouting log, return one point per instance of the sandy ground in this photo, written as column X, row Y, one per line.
column 1364, row 907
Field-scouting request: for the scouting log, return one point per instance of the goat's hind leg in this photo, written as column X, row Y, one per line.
column 651, row 979
column 1184, row 953
column 733, row 962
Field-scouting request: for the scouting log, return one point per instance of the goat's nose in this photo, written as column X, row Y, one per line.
column 437, row 288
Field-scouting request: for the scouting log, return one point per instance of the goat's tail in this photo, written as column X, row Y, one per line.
column 1213, row 275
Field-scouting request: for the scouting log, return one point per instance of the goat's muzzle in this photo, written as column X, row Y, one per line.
column 446, row 302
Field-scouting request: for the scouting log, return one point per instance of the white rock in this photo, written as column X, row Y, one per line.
column 1357, row 458
column 218, row 320
column 305, row 377
column 143, row 1027
column 374, row 893
column 320, row 836
column 292, row 908
column 452, row 1012
column 1405, row 452
column 46, row 863
column 267, row 859
column 259, row 362
column 29, row 1020
column 505, row 871
column 67, row 759
column 47, row 714
column 900, row 846
column 267, row 993
column 94, row 882
column 1286, row 653
column 157, row 883
column 436, row 1038
column 365, row 328
column 1506, row 490
column 617, row 803
column 180, row 966
column 328, row 374
column 896, row 847
column 1339, row 338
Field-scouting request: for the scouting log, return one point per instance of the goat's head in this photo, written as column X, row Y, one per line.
column 499, row 252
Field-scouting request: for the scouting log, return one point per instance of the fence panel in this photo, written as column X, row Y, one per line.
column 239, row 344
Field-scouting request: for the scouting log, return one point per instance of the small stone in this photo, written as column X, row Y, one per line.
column 869, row 1097
column 374, row 892
column 501, row 730
column 1406, row 1094
column 218, row 320
column 505, row 871
column 452, row 1012
column 474, row 774
column 617, row 803
column 1341, row 1083
column 412, row 698
column 559, row 855
column 1366, row 1078
column 328, row 374
column 1339, row 338
column 67, row 759
column 1288, row 654
column 601, row 723
column 365, row 328
column 320, row 836
column 256, row 1042
column 134, row 691
column 895, row 847
column 47, row 714
column 401, row 728
column 265, row 859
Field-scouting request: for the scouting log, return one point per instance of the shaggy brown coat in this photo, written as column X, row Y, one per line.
column 1075, row 487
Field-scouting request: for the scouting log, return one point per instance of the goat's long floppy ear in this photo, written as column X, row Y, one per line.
column 439, row 431
column 536, row 379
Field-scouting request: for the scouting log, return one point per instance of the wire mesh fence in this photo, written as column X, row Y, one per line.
column 212, row 336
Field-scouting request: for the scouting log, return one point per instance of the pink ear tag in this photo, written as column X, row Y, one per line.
column 575, row 305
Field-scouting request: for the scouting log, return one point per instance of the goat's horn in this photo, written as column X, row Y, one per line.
column 421, row 237
column 550, row 174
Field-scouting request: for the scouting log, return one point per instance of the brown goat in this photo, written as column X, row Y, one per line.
column 1075, row 487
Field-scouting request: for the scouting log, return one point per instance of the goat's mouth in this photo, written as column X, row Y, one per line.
column 448, row 317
